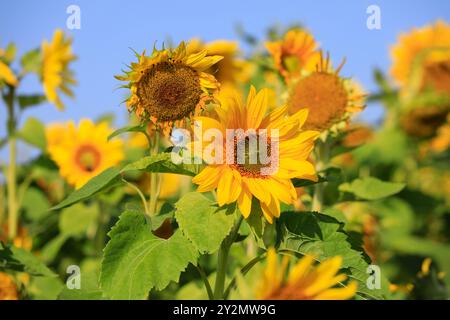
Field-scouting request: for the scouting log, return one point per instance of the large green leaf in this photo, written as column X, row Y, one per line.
column 18, row 259
column 135, row 260
column 203, row 222
column 370, row 188
column 323, row 237
column 104, row 180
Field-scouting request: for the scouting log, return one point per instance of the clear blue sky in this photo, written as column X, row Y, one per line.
column 110, row 28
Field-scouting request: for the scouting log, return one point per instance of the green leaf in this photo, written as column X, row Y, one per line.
column 17, row 259
column 203, row 222
column 309, row 233
column 161, row 163
column 89, row 289
column 33, row 132
column 26, row 101
column 10, row 53
column 99, row 183
column 76, row 220
column 32, row 61
column 158, row 163
column 35, row 204
column 135, row 260
column 139, row 128
column 370, row 188
column 45, row 288
column 52, row 248
column 329, row 174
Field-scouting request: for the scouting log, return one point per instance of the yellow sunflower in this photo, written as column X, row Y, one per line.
column 296, row 52
column 426, row 50
column 56, row 75
column 231, row 69
column 441, row 142
column 304, row 281
column 329, row 98
column 241, row 180
column 170, row 85
column 6, row 74
column 83, row 152
column 8, row 287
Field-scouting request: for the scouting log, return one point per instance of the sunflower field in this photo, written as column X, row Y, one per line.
column 240, row 175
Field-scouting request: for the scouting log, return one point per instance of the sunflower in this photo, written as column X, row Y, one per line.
column 56, row 76
column 426, row 50
column 304, row 281
column 228, row 71
column 329, row 97
column 83, row 152
column 424, row 122
column 8, row 287
column 241, row 180
column 441, row 142
column 6, row 74
column 296, row 52
column 170, row 85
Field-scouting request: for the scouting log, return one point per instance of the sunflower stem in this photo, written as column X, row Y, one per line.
column 322, row 159
column 11, row 172
column 154, row 183
column 222, row 258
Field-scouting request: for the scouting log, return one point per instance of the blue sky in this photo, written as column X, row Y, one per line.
column 110, row 28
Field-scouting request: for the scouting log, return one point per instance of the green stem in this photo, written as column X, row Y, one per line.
column 154, row 183
column 222, row 258
column 11, row 175
column 100, row 236
column 206, row 282
column 322, row 159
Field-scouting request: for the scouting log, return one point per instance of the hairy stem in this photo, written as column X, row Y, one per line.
column 322, row 159
column 11, row 172
column 222, row 258
column 154, row 183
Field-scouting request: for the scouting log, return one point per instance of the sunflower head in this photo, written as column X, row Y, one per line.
column 83, row 152
column 55, row 74
column 231, row 69
column 295, row 53
column 277, row 136
column 170, row 85
column 303, row 281
column 424, row 122
column 423, row 53
column 328, row 97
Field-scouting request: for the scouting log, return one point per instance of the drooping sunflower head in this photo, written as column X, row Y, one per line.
column 424, row 122
column 423, row 53
column 83, row 152
column 303, row 281
column 328, row 97
column 295, row 53
column 170, row 85
column 242, row 173
column 55, row 74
